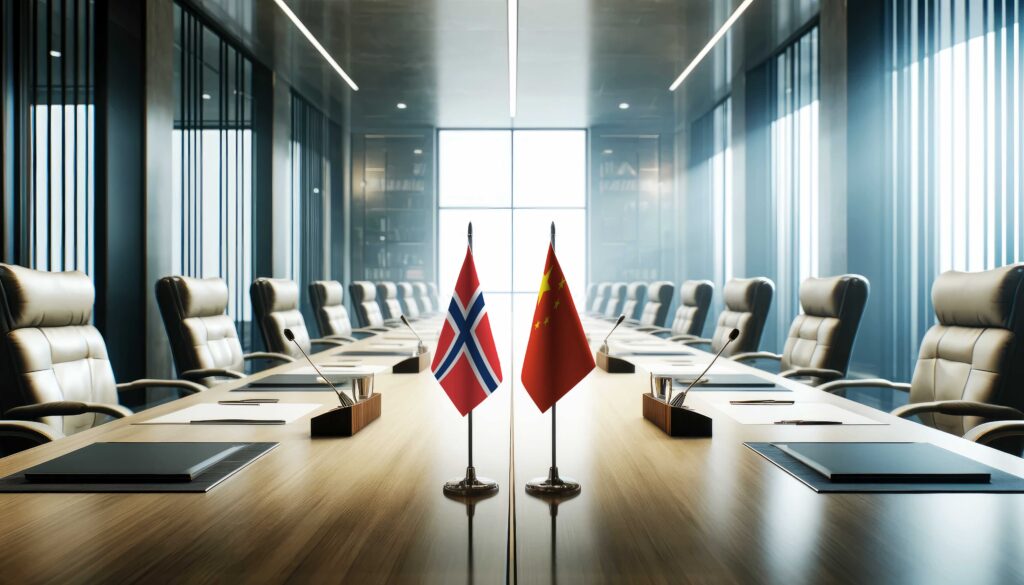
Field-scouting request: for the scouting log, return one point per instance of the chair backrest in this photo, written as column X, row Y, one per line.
column 432, row 294
column 51, row 352
column 275, row 302
column 364, row 301
column 659, row 297
column 604, row 291
column 635, row 294
column 328, row 300
column 747, row 302
column 616, row 298
column 422, row 295
column 591, row 295
column 822, row 335
column 387, row 297
column 407, row 300
column 201, row 333
column 694, row 303
column 975, row 351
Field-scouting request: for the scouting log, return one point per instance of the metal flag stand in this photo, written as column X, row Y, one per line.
column 471, row 485
column 552, row 485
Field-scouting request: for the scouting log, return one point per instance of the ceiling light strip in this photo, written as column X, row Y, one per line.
column 513, row 54
column 316, row 44
column 711, row 44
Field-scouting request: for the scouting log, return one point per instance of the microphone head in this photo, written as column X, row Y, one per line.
column 404, row 320
column 289, row 335
column 734, row 334
column 621, row 318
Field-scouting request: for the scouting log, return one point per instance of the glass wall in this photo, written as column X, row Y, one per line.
column 511, row 185
column 212, row 160
column 957, row 133
column 711, row 173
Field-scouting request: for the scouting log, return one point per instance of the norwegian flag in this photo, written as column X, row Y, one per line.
column 466, row 361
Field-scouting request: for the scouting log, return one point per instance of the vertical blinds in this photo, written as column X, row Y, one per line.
column 957, row 147
column 311, row 135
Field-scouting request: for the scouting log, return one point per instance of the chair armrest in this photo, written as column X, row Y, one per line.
column 188, row 387
column 834, row 387
column 691, row 341
column 29, row 431
column 327, row 341
column 823, row 374
column 203, row 373
column 268, row 355
column 991, row 432
column 653, row 329
column 756, row 355
column 344, row 338
column 960, row 408
column 371, row 330
column 66, row 408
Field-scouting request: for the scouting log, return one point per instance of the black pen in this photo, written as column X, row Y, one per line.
column 807, row 422
column 763, row 401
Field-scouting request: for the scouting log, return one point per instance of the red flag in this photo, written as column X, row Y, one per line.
column 558, row 355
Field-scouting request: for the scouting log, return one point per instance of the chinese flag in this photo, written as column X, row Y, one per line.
column 558, row 355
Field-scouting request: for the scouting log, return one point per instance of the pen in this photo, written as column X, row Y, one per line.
column 235, row 421
column 763, row 401
column 807, row 422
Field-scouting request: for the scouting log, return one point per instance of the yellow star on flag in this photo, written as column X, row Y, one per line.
column 544, row 285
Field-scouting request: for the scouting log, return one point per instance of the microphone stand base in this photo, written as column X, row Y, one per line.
column 471, row 485
column 676, row 421
column 614, row 365
column 412, row 365
column 345, row 421
column 552, row 486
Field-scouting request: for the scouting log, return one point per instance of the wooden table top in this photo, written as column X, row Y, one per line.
column 369, row 508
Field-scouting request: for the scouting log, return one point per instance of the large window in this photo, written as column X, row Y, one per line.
column 212, row 159
column 710, row 175
column 794, row 168
column 511, row 185
column 957, row 146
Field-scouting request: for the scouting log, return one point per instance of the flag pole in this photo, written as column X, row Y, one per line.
column 471, row 485
column 553, row 485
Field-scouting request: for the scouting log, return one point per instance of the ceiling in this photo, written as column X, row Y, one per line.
column 447, row 59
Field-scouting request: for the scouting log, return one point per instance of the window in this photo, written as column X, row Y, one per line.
column 511, row 185
column 212, row 161
column 794, row 168
column 711, row 173
column 957, row 158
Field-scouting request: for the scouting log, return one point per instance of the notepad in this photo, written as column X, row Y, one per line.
column 887, row 463
column 727, row 381
column 308, row 377
column 132, row 463
column 235, row 414
column 777, row 414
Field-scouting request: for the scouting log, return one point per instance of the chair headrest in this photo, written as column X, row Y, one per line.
column 387, row 290
column 406, row 288
column 979, row 299
column 330, row 292
column 603, row 288
column 200, row 297
column 696, row 292
column 363, row 291
column 635, row 290
column 421, row 289
column 36, row 298
column 824, row 297
column 740, row 294
column 660, row 292
column 618, row 289
column 279, row 294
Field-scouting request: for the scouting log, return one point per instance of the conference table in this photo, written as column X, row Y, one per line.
column 370, row 508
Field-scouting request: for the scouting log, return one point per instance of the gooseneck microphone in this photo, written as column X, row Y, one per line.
column 342, row 397
column 604, row 344
column 422, row 346
column 678, row 400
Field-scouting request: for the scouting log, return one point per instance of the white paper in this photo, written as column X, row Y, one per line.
column 650, row 349
column 748, row 414
column 349, row 370
column 288, row 412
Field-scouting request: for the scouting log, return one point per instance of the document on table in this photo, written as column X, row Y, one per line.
column 235, row 414
column 334, row 369
column 799, row 413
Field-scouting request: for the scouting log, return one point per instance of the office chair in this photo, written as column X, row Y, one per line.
column 635, row 294
column 747, row 302
column 275, row 301
column 364, row 301
column 327, row 298
column 616, row 299
column 655, row 309
column 55, row 366
column 591, row 295
column 821, row 338
column 432, row 295
column 387, row 296
column 422, row 295
column 688, row 322
column 204, row 342
column 406, row 300
column 971, row 364
column 601, row 298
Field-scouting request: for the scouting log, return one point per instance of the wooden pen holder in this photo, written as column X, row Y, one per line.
column 676, row 421
column 413, row 365
column 614, row 365
column 346, row 421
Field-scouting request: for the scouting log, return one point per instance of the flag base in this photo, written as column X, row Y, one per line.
column 552, row 485
column 471, row 485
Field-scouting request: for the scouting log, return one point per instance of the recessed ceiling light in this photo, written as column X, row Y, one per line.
column 316, row 44
column 608, row 151
column 711, row 43
column 206, row 96
column 401, row 105
column 623, row 106
column 54, row 53
column 513, row 54
column 418, row 151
